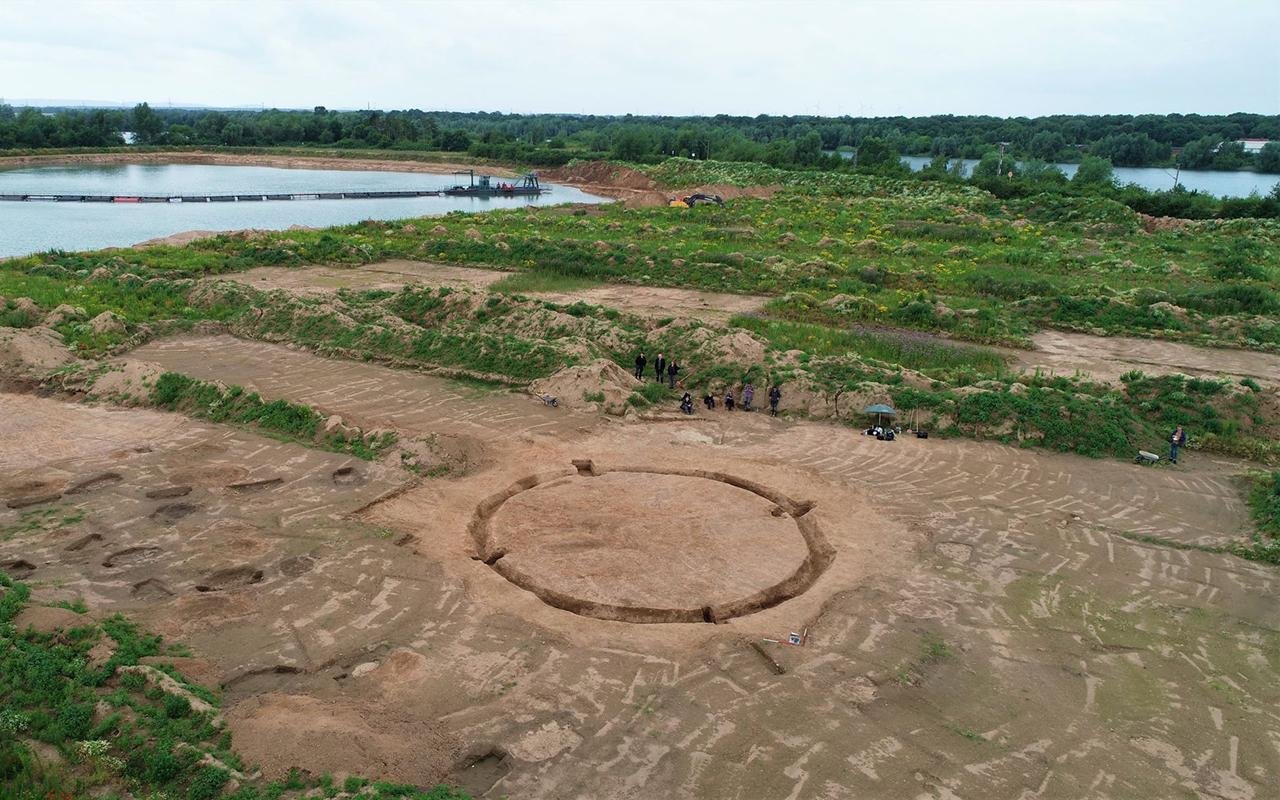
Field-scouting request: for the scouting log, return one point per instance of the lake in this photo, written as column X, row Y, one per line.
column 1220, row 183
column 30, row 227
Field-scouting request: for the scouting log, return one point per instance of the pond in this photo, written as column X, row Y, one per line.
column 29, row 227
column 1220, row 183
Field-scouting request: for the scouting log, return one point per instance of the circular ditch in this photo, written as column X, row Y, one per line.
column 651, row 545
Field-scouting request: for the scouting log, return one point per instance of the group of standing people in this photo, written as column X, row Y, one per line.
column 661, row 368
column 670, row 370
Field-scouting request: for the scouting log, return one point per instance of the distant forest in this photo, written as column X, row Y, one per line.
column 1192, row 141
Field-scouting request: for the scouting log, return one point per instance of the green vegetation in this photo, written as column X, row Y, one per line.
column 1263, row 545
column 933, row 651
column 288, row 421
column 875, row 285
column 1264, row 503
column 49, row 518
column 552, row 138
column 845, row 250
column 116, row 732
column 966, row 732
column 912, row 351
column 548, row 282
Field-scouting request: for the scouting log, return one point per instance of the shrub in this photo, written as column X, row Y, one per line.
column 207, row 783
column 176, row 706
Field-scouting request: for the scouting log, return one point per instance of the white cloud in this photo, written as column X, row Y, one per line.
column 872, row 58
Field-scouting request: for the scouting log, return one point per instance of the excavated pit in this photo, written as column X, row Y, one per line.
column 649, row 545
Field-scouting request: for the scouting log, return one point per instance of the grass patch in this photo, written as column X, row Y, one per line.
column 289, row 421
column 933, row 651
column 966, row 732
column 902, row 348
column 41, row 519
column 534, row 281
column 149, row 744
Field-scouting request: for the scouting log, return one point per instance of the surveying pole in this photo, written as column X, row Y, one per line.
column 1000, row 166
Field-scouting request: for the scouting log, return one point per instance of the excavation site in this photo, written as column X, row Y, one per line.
column 794, row 495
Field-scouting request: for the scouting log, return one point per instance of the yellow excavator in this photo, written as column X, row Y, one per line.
column 689, row 201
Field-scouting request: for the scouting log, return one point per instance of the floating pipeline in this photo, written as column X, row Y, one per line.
column 214, row 198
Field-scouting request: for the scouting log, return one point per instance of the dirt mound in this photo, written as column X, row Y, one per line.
column 31, row 352
column 45, row 619
column 803, row 396
column 107, row 322
column 728, row 192
column 601, row 173
column 178, row 239
column 633, row 188
column 128, row 381
column 283, row 730
column 740, row 347
column 1152, row 224
column 601, row 383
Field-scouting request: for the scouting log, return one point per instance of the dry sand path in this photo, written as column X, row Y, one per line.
column 371, row 395
column 645, row 301
column 1106, row 358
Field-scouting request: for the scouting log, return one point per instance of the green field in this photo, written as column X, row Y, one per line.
column 871, row 280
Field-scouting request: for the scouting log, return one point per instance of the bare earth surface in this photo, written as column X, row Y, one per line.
column 648, row 301
column 1057, row 352
column 989, row 625
column 390, row 275
column 1106, row 358
column 653, row 540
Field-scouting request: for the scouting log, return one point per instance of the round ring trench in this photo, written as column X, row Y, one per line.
column 651, row 545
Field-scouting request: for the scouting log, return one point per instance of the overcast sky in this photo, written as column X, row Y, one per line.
column 1021, row 58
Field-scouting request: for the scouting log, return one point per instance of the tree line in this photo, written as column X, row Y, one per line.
column 791, row 142
column 1192, row 141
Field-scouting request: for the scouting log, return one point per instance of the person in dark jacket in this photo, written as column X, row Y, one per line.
column 728, row 399
column 659, row 366
column 686, row 403
column 1176, row 442
column 673, row 369
column 775, row 394
column 640, row 362
column 709, row 400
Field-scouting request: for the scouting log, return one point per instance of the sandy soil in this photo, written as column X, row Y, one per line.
column 387, row 275
column 1106, row 358
column 647, row 301
column 604, row 540
column 636, row 189
column 988, row 626
column 1014, row 559
column 246, row 160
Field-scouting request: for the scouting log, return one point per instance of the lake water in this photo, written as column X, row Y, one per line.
column 30, row 227
column 1221, row 183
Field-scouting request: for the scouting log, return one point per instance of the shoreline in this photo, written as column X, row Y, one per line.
column 279, row 161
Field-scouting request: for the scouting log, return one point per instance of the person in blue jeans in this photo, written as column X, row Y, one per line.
column 1176, row 442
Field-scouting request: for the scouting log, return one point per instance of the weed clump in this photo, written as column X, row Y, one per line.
column 234, row 404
